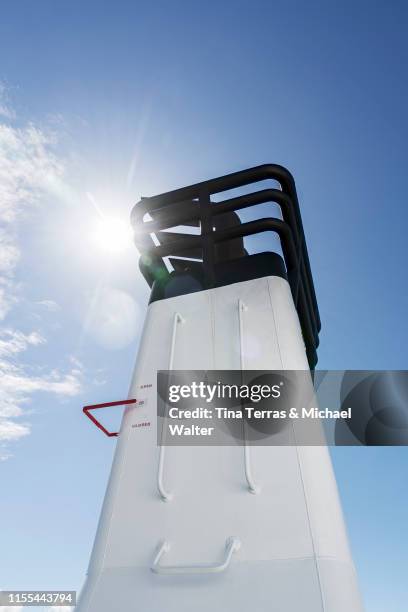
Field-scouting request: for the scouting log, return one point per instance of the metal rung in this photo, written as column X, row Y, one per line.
column 232, row 545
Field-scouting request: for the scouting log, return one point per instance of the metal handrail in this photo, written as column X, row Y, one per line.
column 192, row 205
column 190, row 213
column 225, row 183
column 252, row 486
column 232, row 545
column 87, row 411
column 164, row 494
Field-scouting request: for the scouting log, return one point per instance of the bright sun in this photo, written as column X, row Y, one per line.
column 112, row 234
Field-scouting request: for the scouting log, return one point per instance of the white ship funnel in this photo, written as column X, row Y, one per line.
column 219, row 528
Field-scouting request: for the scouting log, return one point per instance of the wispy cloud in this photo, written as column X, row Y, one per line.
column 5, row 108
column 29, row 170
column 49, row 305
column 18, row 382
column 13, row 342
column 10, row 430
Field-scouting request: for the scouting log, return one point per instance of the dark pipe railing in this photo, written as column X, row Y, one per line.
column 192, row 206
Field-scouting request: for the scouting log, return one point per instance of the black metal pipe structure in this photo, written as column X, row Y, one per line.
column 192, row 206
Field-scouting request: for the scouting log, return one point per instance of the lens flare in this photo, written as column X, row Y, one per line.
column 112, row 235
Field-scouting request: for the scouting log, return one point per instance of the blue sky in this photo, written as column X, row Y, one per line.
column 102, row 102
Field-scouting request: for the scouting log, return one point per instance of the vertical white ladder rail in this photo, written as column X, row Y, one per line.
column 252, row 486
column 163, row 492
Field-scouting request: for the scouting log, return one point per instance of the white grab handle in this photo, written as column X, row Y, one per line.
column 231, row 545
column 164, row 494
column 252, row 486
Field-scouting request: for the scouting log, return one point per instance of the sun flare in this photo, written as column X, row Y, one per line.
column 112, row 235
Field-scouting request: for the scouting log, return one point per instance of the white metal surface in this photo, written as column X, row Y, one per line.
column 294, row 554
